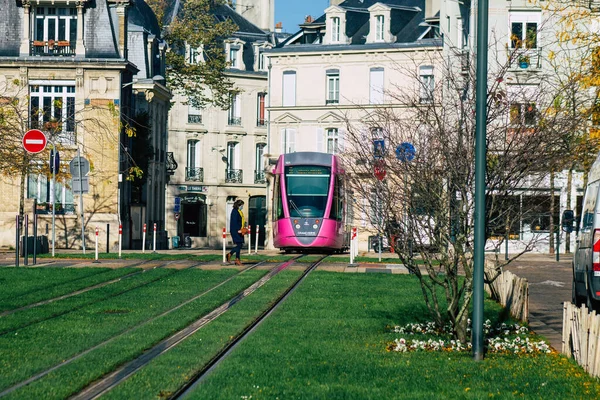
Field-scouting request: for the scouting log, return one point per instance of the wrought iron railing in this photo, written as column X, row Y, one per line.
column 259, row 177
column 171, row 163
column 61, row 209
column 233, row 176
column 332, row 101
column 235, row 121
column 52, row 48
column 194, row 119
column 194, row 174
column 525, row 59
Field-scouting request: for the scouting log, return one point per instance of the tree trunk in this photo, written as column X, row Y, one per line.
column 569, row 188
column 551, row 227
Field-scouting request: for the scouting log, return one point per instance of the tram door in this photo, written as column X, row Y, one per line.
column 257, row 213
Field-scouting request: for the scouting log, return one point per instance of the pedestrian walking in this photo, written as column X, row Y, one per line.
column 237, row 229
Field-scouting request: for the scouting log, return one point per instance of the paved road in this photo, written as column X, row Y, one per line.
column 549, row 287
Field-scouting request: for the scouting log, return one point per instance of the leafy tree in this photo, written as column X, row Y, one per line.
column 193, row 27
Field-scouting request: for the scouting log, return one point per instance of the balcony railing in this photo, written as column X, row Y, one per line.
column 332, row 101
column 61, row 132
column 259, row 177
column 194, row 119
column 235, row 121
column 61, row 209
column 52, row 48
column 194, row 174
column 525, row 59
column 233, row 176
column 171, row 163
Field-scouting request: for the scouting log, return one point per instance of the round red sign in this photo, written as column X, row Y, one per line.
column 34, row 141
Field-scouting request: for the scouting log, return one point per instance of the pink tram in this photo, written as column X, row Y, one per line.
column 309, row 203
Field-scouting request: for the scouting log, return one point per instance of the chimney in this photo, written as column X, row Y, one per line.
column 308, row 19
column 431, row 8
column 335, row 2
column 279, row 27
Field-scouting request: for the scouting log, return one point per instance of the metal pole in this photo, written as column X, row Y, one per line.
column 96, row 249
column 480, row 155
column 25, row 240
column 154, row 239
column 256, row 239
column 144, row 239
column 53, row 201
column 107, row 236
column 34, row 231
column 81, row 201
column 506, row 245
column 249, row 240
column 18, row 237
column 558, row 245
column 224, row 245
column 120, row 238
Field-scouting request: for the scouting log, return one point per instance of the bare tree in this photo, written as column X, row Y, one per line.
column 427, row 202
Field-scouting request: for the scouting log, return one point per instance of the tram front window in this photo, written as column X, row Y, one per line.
column 307, row 188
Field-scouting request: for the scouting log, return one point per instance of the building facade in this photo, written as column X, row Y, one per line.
column 219, row 153
column 69, row 66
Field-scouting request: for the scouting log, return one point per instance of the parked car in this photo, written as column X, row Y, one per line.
column 586, row 258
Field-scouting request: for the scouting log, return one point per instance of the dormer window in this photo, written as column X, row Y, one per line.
column 54, row 31
column 234, row 56
column 194, row 55
column 379, row 28
column 260, row 59
column 335, row 30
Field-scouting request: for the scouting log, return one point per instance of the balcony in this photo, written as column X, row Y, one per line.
column 194, row 119
column 52, row 48
column 58, row 131
column 332, row 101
column 233, row 176
column 525, row 59
column 61, row 209
column 194, row 174
column 235, row 121
column 259, row 177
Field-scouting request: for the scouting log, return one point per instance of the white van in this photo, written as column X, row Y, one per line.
column 586, row 258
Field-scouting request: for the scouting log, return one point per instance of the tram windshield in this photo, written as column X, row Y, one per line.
column 307, row 188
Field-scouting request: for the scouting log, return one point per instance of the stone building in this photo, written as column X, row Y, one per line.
column 219, row 152
column 82, row 71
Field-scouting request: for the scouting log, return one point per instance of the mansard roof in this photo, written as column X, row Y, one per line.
column 407, row 23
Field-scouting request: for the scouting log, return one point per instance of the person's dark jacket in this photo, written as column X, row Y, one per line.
column 235, row 224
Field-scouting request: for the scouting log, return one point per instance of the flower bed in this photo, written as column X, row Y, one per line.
column 500, row 339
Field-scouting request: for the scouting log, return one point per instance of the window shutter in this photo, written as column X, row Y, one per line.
column 197, row 160
column 283, row 141
column 292, row 140
column 341, row 140
column 320, row 136
column 289, row 88
column 236, row 152
column 376, row 86
column 238, row 108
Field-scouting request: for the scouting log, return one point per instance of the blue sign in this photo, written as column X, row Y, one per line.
column 378, row 148
column 405, row 152
column 177, row 208
column 54, row 161
column 177, row 200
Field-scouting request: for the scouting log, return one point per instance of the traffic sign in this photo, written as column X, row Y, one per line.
column 405, row 152
column 34, row 141
column 80, row 185
column 78, row 165
column 176, row 216
column 379, row 171
column 54, row 161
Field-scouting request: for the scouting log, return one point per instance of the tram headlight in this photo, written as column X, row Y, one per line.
column 315, row 226
column 297, row 226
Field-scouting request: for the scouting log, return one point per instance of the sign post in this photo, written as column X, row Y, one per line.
column 96, row 255
column 154, row 239
column 256, row 240
column 144, row 239
column 34, row 141
column 120, row 238
column 224, row 239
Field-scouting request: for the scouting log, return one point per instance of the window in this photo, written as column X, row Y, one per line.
column 194, row 115
column 40, row 187
column 288, row 140
column 333, row 86
column 54, row 30
column 332, row 141
column 523, row 114
column 233, row 172
column 524, row 29
column 376, row 86
column 427, row 84
column 261, row 60
column 52, row 109
column 260, row 109
column 195, row 55
column 289, row 88
column 335, row 30
column 233, row 56
column 235, row 109
column 193, row 172
column 379, row 23
column 259, row 173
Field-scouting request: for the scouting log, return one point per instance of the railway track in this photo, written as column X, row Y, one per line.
column 121, row 374
column 125, row 332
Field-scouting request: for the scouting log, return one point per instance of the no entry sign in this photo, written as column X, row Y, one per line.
column 34, row 141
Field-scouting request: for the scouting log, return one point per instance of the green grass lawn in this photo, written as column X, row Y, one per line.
column 329, row 340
